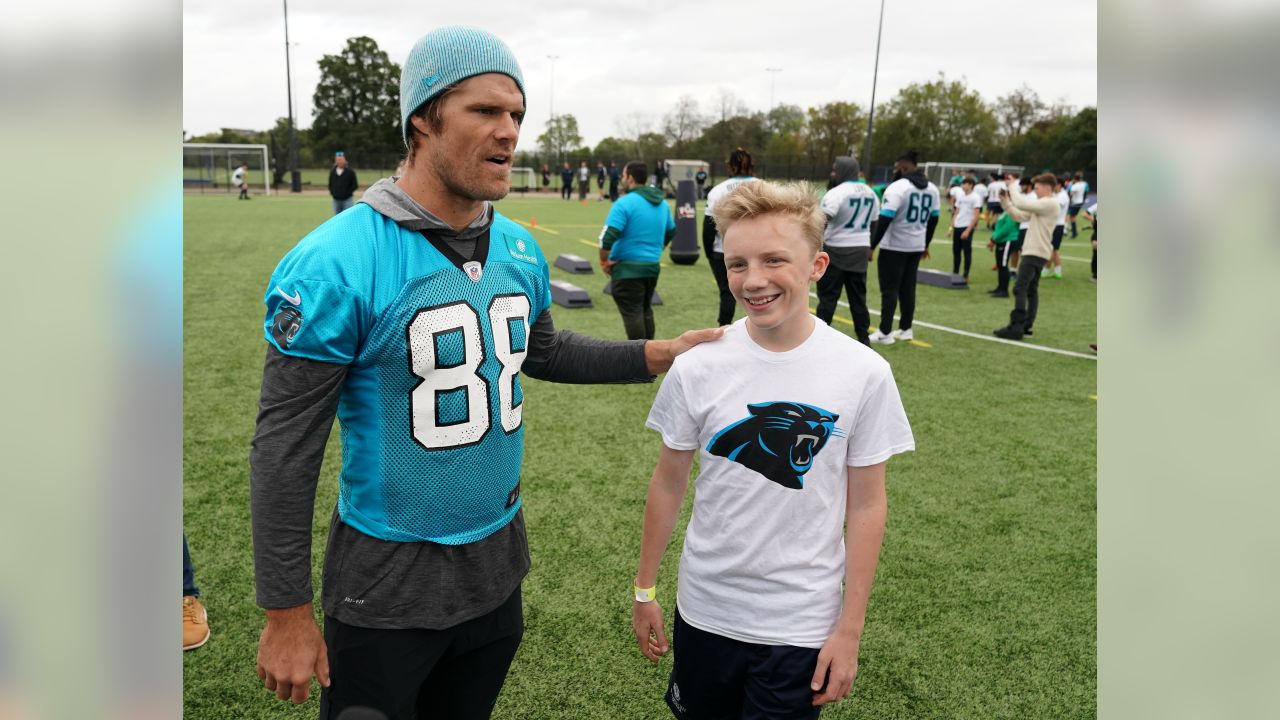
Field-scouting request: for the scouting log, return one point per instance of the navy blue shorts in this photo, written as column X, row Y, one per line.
column 715, row 678
column 1057, row 236
column 1074, row 210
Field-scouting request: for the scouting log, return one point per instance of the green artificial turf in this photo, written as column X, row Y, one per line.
column 984, row 603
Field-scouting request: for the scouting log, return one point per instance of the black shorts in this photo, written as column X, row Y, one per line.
column 995, row 207
column 714, row 677
column 1017, row 244
column 1073, row 210
column 1057, row 236
column 456, row 672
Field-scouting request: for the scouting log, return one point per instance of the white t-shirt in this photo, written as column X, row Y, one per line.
column 237, row 177
column 716, row 194
column 1078, row 190
column 909, row 209
column 763, row 562
column 981, row 191
column 1063, row 203
column 955, row 194
column 993, row 191
column 850, row 208
column 584, row 174
column 966, row 206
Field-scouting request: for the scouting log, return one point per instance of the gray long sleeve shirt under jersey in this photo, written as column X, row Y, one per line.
column 376, row 583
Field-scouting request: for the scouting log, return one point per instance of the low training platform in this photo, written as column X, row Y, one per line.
column 575, row 264
column 655, row 300
column 569, row 295
column 937, row 278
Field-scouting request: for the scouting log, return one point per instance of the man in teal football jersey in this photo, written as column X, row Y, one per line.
column 411, row 317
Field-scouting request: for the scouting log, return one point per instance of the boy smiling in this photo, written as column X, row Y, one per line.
column 794, row 422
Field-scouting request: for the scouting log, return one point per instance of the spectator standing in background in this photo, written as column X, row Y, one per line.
column 342, row 183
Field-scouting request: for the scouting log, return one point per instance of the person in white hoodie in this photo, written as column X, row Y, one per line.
column 1042, row 213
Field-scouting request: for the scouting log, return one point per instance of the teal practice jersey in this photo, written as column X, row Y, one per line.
column 432, row 438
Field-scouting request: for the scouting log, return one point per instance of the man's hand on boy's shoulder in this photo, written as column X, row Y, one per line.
column 647, row 622
column 837, row 668
column 659, row 354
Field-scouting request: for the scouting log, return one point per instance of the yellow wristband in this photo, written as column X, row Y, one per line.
column 645, row 595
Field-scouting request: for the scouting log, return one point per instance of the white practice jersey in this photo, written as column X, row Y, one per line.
column 994, row 190
column 966, row 207
column 981, row 191
column 850, row 208
column 1063, row 203
column 237, row 177
column 1078, row 190
column 907, row 209
column 717, row 193
column 955, row 194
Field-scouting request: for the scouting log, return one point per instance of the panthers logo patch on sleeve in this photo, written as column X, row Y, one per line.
column 779, row 440
column 285, row 325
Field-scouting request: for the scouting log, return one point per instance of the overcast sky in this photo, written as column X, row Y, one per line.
column 625, row 59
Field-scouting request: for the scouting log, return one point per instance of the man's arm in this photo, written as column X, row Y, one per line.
column 608, row 236
column 566, row 357
column 865, row 514
column 295, row 415
column 666, row 493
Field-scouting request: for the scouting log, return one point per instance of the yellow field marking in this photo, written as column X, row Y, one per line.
column 917, row 343
column 536, row 227
column 1093, row 397
column 588, row 243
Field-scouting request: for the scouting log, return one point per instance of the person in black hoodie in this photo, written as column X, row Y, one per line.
column 908, row 217
column 342, row 183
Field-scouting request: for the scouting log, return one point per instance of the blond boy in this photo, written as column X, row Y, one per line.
column 793, row 422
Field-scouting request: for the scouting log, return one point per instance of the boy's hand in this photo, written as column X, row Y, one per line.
column 646, row 621
column 965, row 235
column 837, row 667
column 991, row 244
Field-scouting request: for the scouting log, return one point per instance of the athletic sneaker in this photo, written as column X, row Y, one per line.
column 997, row 294
column 1057, row 273
column 1026, row 332
column 903, row 335
column 195, row 623
column 880, row 338
column 1007, row 333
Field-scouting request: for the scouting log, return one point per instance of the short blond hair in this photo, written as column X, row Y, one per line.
column 759, row 198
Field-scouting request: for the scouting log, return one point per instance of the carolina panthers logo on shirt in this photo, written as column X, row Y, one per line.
column 779, row 440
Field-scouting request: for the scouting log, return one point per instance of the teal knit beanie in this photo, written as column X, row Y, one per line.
column 445, row 56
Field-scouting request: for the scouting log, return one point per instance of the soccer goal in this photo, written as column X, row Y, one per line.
column 523, row 179
column 207, row 167
column 940, row 174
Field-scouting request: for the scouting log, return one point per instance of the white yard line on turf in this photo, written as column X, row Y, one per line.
column 980, row 336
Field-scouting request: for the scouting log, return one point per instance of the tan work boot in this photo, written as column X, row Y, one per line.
column 195, row 623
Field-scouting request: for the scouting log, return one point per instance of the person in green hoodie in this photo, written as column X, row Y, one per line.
column 638, row 227
column 1002, row 241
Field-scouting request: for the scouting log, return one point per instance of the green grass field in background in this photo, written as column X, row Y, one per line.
column 984, row 603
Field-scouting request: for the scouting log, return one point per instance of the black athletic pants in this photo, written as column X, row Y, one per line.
column 634, row 299
column 1093, row 264
column 853, row 284
column 1026, row 293
column 566, row 191
column 1003, row 251
column 961, row 248
column 897, row 273
column 419, row 674
column 716, row 261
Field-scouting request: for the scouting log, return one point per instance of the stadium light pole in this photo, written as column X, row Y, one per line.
column 871, row 115
column 773, row 82
column 295, row 175
column 553, row 59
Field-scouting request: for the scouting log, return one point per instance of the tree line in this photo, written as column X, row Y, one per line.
column 356, row 110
